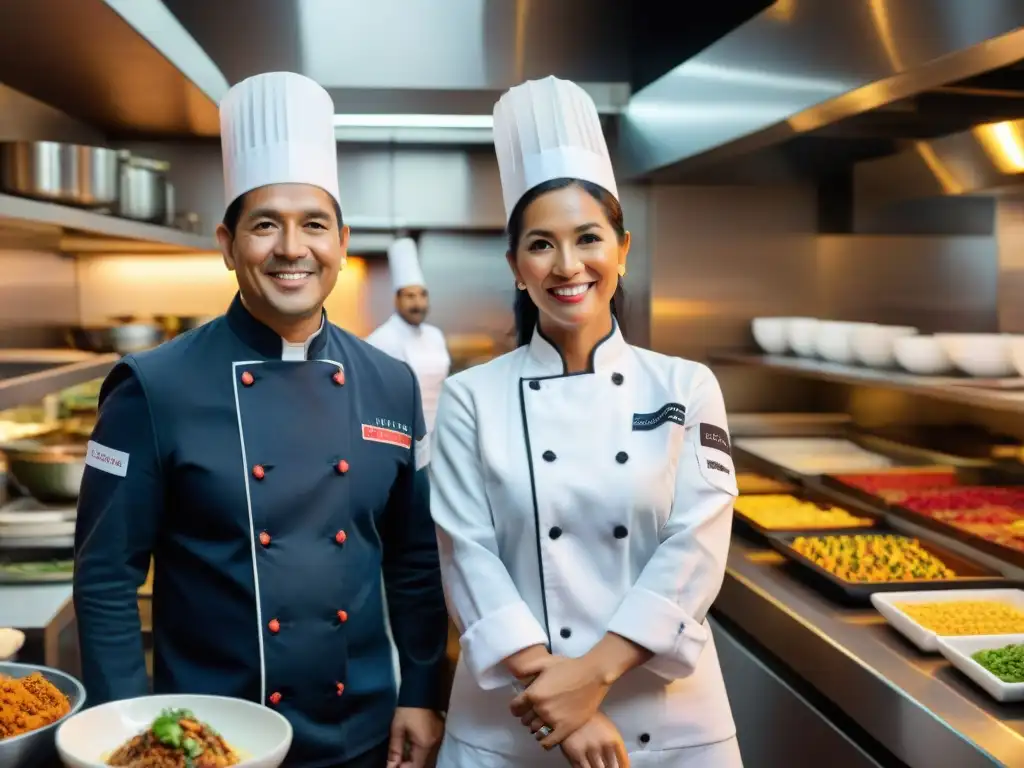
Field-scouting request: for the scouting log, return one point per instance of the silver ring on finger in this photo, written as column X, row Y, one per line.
column 544, row 731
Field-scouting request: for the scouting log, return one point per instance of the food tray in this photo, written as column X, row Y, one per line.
column 924, row 638
column 903, row 456
column 971, row 539
column 972, row 575
column 963, row 476
column 958, row 651
column 755, row 530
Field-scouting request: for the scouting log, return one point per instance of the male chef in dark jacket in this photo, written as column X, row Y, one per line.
column 273, row 465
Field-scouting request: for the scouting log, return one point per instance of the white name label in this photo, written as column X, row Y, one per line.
column 106, row 459
column 422, row 452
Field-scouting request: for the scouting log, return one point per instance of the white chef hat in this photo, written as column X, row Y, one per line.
column 278, row 128
column 404, row 263
column 548, row 129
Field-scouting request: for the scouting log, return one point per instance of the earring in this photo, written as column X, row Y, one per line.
column 622, row 270
column 521, row 286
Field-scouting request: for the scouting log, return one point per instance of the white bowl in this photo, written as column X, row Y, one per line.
column 923, row 355
column 985, row 355
column 772, row 334
column 873, row 344
column 261, row 736
column 958, row 651
column 833, row 340
column 802, row 332
column 1017, row 354
column 922, row 637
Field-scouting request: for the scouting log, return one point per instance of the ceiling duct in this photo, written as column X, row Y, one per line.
column 802, row 68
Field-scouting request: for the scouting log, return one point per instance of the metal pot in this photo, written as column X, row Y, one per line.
column 46, row 472
column 72, row 174
column 174, row 325
column 122, row 339
column 146, row 194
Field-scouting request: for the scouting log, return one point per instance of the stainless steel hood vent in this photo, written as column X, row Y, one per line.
column 803, row 66
column 987, row 159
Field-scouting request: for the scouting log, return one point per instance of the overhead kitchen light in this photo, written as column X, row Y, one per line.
column 470, row 122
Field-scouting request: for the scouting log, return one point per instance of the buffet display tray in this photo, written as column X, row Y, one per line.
column 747, row 526
column 902, row 455
column 970, row 574
column 993, row 476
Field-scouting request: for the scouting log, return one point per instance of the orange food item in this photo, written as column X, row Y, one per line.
column 29, row 703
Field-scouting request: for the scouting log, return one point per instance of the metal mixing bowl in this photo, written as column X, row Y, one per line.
column 36, row 748
column 46, row 472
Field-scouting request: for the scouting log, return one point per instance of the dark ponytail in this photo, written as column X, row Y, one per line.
column 524, row 310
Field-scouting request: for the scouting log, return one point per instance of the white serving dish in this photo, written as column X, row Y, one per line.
column 873, row 344
column 1017, row 354
column 802, row 332
column 772, row 334
column 984, row 355
column 926, row 639
column 814, row 455
column 923, row 355
column 260, row 735
column 11, row 641
column 958, row 651
column 833, row 339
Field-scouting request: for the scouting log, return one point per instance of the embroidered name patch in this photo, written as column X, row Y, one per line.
column 389, row 436
column 422, row 452
column 715, row 437
column 106, row 459
column 718, row 467
column 670, row 412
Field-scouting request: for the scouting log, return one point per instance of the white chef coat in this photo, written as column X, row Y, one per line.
column 423, row 348
column 570, row 505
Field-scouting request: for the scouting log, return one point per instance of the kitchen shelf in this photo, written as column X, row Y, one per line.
column 945, row 388
column 84, row 231
column 33, row 387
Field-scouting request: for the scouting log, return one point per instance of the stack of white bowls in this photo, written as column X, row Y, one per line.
column 887, row 346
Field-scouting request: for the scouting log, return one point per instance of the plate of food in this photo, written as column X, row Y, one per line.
column 994, row 662
column 855, row 565
column 922, row 617
column 33, row 701
column 178, row 731
column 770, row 514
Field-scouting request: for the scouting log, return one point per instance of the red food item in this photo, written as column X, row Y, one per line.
column 899, row 481
column 965, row 498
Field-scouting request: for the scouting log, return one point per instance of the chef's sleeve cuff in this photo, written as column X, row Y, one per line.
column 494, row 638
column 421, row 688
column 656, row 623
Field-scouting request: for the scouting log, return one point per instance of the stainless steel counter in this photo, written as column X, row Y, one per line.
column 916, row 706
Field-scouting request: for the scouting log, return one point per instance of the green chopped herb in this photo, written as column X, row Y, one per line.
column 1006, row 663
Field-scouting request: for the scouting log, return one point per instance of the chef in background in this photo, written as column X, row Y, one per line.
column 405, row 335
column 582, row 489
column 274, row 467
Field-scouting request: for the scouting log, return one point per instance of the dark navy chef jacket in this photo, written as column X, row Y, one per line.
column 286, row 507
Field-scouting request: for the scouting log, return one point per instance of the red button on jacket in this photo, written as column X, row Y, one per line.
column 258, row 472
column 275, row 698
column 274, row 626
column 343, row 616
column 247, row 379
column 339, row 378
column 265, row 539
column 342, row 467
column 340, row 537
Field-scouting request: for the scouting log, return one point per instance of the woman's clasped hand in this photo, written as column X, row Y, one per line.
column 565, row 695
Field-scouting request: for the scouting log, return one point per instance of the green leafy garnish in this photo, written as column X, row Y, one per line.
column 167, row 729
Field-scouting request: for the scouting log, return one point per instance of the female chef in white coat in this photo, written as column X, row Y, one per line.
column 582, row 489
